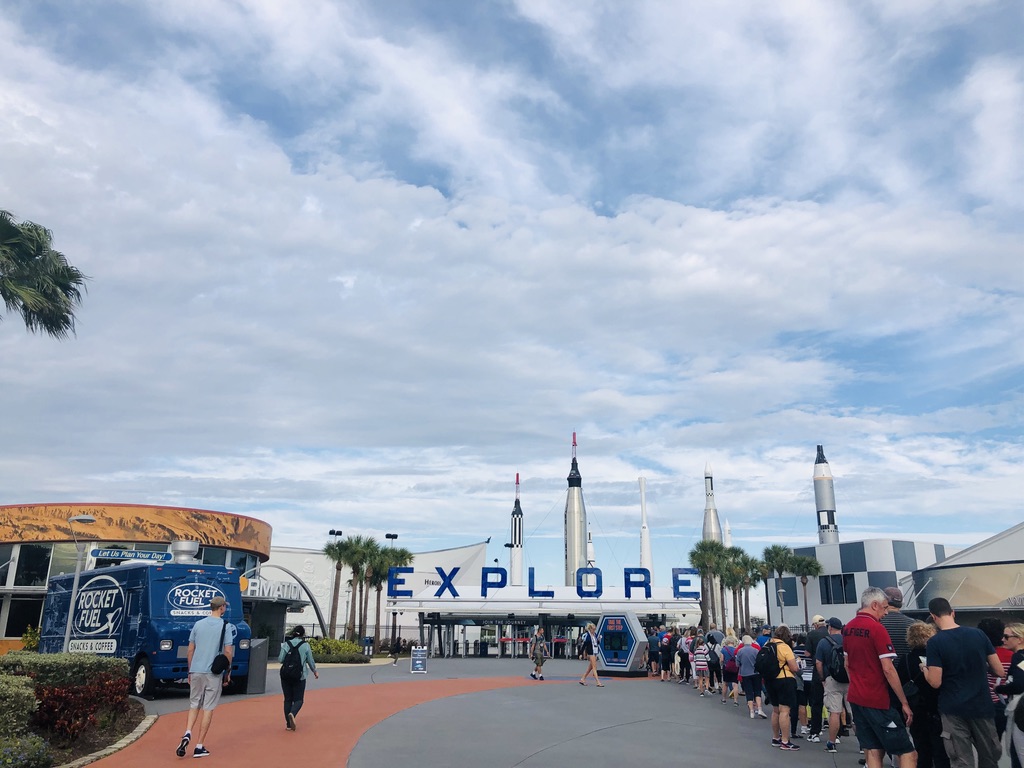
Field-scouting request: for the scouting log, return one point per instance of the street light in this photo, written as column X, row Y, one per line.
column 391, row 537
column 335, row 532
column 80, row 547
column 782, row 606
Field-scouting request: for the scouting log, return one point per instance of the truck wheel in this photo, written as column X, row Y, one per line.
column 142, row 679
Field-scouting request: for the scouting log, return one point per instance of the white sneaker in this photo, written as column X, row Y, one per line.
column 751, row 714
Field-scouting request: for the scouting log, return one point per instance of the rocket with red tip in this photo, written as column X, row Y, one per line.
column 516, row 549
column 575, row 523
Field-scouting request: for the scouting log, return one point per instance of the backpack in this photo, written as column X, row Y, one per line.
column 835, row 668
column 291, row 667
column 729, row 654
column 714, row 660
column 766, row 663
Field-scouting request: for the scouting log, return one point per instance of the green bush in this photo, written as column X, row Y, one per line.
column 17, row 703
column 61, row 669
column 25, row 752
column 326, row 646
column 343, row 658
column 30, row 640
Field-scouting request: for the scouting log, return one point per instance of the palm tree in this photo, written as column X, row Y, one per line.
column 755, row 572
column 371, row 565
column 359, row 550
column 733, row 573
column 778, row 559
column 36, row 280
column 705, row 557
column 341, row 553
column 804, row 566
column 387, row 558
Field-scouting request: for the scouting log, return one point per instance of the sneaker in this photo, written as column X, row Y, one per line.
column 540, row 677
column 761, row 714
column 830, row 747
column 533, row 675
column 814, row 738
column 776, row 742
column 796, row 736
column 702, row 694
column 180, row 751
column 751, row 714
column 201, row 752
column 837, row 740
column 291, row 721
column 788, row 746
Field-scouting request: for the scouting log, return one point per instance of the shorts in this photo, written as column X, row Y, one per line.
column 204, row 690
column 835, row 695
column 751, row 687
column 666, row 659
column 538, row 660
column 782, row 691
column 730, row 677
column 702, row 672
column 881, row 729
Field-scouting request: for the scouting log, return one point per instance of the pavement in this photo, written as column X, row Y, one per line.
column 472, row 712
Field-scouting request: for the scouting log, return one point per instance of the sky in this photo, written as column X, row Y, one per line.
column 354, row 265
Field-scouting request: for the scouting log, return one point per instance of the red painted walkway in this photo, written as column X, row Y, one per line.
column 251, row 732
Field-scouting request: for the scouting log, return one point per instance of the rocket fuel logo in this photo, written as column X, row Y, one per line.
column 192, row 599
column 99, row 608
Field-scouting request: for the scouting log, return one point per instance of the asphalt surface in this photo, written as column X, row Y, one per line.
column 472, row 712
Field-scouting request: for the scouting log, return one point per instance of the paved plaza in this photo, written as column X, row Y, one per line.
column 475, row 712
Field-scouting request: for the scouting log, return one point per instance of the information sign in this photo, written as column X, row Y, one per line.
column 418, row 660
column 130, row 554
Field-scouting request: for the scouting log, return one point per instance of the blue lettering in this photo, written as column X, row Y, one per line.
column 541, row 593
column 446, row 581
column 486, row 583
column 636, row 578
column 395, row 581
column 581, row 590
column 678, row 582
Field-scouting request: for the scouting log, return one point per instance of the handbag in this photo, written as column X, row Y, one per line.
column 221, row 663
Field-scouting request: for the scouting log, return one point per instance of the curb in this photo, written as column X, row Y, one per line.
column 140, row 729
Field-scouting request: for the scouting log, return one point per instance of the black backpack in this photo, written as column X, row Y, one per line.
column 291, row 667
column 836, row 668
column 766, row 663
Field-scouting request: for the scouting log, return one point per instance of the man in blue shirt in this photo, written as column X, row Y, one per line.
column 204, row 685
column 958, row 658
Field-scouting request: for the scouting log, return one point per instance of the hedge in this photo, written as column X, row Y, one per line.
column 17, row 704
column 25, row 752
column 62, row 669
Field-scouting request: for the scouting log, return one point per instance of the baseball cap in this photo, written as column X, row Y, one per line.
column 835, row 623
column 818, row 619
column 894, row 596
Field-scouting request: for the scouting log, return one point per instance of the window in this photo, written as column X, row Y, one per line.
column 6, row 555
column 33, row 565
column 24, row 612
column 882, row 579
column 63, row 559
column 838, row 589
column 213, row 556
column 904, row 556
column 851, row 557
column 242, row 562
column 940, row 552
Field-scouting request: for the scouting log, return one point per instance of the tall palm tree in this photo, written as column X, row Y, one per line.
column 732, row 576
column 755, row 572
column 359, row 550
column 340, row 552
column 371, row 565
column 705, row 557
column 387, row 558
column 778, row 558
column 804, row 567
column 36, row 280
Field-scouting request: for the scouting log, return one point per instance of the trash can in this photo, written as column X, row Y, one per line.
column 257, row 680
column 483, row 648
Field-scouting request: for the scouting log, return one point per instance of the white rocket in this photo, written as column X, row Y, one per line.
column 590, row 580
column 646, row 560
column 825, row 500
column 712, row 526
column 515, row 566
column 575, row 523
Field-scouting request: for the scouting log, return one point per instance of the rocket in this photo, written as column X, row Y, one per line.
column 712, row 526
column 575, row 523
column 825, row 500
column 646, row 561
column 728, row 534
column 590, row 579
column 515, row 566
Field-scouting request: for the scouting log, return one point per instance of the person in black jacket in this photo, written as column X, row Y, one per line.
column 926, row 726
column 588, row 651
column 1013, row 638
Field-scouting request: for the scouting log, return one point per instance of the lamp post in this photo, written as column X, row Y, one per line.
column 782, row 605
column 392, row 538
column 337, row 587
column 80, row 547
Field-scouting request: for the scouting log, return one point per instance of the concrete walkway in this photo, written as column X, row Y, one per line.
column 476, row 712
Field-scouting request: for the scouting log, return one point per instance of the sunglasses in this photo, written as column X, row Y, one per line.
column 1009, row 637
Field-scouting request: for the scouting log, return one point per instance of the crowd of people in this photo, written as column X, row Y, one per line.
column 916, row 693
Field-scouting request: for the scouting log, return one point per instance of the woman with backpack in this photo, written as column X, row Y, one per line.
column 730, row 670
column 295, row 657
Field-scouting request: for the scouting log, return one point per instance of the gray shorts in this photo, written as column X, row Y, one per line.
column 835, row 695
column 204, row 690
column 538, row 660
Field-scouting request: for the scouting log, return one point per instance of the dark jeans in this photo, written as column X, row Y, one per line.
column 816, row 700
column 294, row 692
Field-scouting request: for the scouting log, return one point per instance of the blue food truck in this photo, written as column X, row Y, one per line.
column 143, row 612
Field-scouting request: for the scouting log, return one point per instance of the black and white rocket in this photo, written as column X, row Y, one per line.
column 825, row 500
column 575, row 523
column 712, row 526
column 515, row 566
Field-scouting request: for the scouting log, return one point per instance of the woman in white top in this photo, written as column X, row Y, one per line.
column 588, row 651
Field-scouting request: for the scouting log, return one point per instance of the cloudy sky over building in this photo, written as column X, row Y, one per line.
column 354, row 265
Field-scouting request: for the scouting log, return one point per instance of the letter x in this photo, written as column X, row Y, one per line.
column 446, row 581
